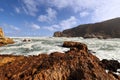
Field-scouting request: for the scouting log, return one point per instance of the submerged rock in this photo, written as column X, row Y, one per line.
column 26, row 40
column 4, row 40
column 76, row 64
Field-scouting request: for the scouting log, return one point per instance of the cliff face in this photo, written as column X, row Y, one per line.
column 106, row 29
column 4, row 40
column 76, row 64
column 1, row 33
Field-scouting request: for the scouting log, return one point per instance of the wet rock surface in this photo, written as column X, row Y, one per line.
column 75, row 64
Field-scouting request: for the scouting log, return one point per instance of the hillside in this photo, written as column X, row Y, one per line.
column 105, row 29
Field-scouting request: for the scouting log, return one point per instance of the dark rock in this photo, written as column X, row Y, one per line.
column 26, row 40
column 111, row 65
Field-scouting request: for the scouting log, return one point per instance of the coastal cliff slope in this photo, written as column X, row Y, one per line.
column 105, row 29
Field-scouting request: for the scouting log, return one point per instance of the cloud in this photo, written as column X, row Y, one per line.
column 98, row 10
column 10, row 27
column 76, row 5
column 32, row 26
column 92, row 10
column 64, row 24
column 14, row 28
column 107, row 10
column 84, row 14
column 35, row 26
column 30, row 7
column 54, row 27
column 17, row 9
column 50, row 16
column 1, row 9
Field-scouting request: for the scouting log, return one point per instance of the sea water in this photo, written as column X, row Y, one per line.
column 102, row 48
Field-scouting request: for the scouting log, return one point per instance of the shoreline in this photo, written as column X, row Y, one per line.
column 74, row 64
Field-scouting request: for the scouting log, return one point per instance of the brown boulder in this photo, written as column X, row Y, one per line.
column 75, row 45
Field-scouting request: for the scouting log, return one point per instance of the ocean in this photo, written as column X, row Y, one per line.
column 102, row 48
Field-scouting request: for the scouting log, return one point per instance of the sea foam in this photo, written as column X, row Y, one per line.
column 103, row 48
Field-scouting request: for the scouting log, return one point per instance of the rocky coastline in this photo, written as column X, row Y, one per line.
column 4, row 40
column 101, row 30
column 76, row 64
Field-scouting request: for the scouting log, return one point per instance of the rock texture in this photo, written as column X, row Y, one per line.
column 4, row 40
column 106, row 29
column 76, row 64
column 111, row 65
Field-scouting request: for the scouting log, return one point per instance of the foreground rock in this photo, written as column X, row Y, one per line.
column 76, row 64
column 111, row 65
column 105, row 29
column 4, row 40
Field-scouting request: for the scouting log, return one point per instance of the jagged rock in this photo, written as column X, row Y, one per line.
column 4, row 40
column 111, row 65
column 72, row 65
column 75, row 45
column 1, row 33
column 101, row 30
column 60, row 34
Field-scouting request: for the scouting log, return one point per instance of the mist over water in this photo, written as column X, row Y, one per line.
column 102, row 48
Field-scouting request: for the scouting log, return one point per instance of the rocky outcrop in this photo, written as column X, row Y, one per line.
column 75, row 46
column 60, row 34
column 4, row 40
column 75, row 64
column 112, row 65
column 106, row 29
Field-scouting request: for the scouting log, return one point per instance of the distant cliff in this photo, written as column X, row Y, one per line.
column 4, row 40
column 106, row 29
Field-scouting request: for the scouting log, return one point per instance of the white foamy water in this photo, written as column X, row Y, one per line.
column 103, row 48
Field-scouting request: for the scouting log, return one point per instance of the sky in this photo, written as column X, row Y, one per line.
column 44, row 17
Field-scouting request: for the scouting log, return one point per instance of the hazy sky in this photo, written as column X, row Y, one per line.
column 44, row 17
